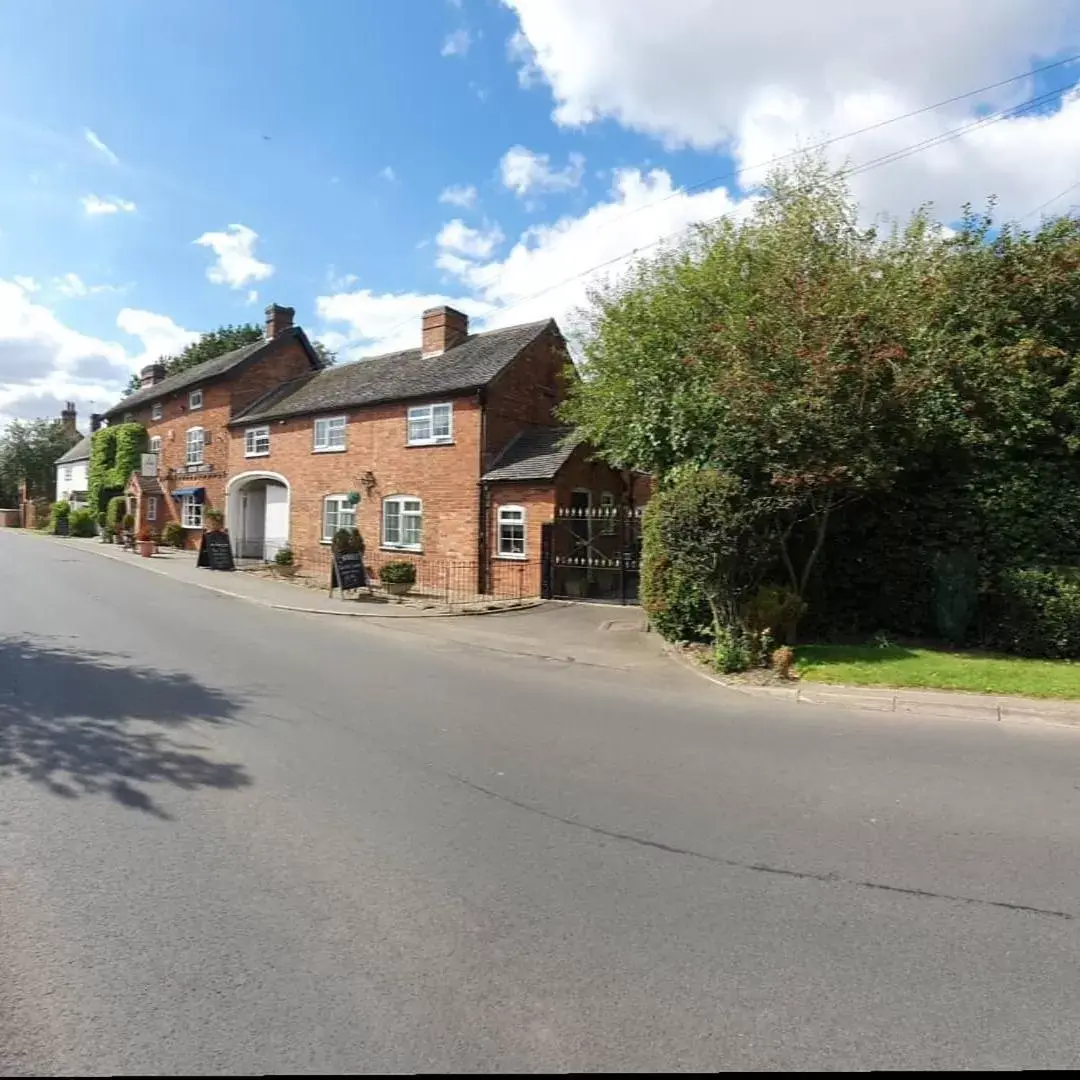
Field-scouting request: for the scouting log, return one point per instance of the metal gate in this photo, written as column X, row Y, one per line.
column 592, row 553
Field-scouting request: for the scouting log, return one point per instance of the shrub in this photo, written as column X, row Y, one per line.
column 284, row 556
column 214, row 519
column 115, row 453
column 114, row 514
column 81, row 523
column 398, row 572
column 145, row 534
column 1036, row 612
column 129, row 522
column 59, row 511
column 173, row 534
column 782, row 661
column 676, row 605
column 776, row 609
column 347, row 541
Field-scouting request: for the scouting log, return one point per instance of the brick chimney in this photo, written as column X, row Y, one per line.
column 68, row 419
column 151, row 374
column 95, row 422
column 443, row 328
column 278, row 320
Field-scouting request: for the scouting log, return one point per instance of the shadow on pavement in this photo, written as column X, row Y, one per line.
column 82, row 722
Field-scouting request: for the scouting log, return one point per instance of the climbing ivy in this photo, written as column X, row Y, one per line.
column 115, row 453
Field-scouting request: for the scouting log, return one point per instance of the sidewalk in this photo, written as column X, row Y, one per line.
column 245, row 585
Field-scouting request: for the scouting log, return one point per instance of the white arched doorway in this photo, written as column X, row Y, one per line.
column 257, row 514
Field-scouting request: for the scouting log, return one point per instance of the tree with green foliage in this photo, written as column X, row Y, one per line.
column 115, row 453
column 28, row 451
column 215, row 343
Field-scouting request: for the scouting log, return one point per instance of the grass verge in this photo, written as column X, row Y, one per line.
column 932, row 669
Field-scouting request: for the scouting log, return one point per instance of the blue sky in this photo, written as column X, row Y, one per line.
column 167, row 168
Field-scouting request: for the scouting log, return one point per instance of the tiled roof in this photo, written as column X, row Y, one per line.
column 536, row 454
column 79, row 452
column 209, row 369
column 397, row 376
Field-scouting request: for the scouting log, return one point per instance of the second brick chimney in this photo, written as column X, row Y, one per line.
column 278, row 320
column 151, row 374
column 68, row 419
column 442, row 329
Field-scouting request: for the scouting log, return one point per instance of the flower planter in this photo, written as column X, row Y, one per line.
column 146, row 548
column 398, row 588
column 284, row 570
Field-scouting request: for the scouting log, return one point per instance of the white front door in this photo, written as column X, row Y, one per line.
column 276, row 530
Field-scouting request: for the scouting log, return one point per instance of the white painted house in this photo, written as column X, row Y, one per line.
column 73, row 468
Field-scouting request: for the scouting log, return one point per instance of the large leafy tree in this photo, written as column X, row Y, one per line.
column 28, row 451
column 216, row 343
column 786, row 349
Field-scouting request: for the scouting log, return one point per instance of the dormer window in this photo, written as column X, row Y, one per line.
column 195, row 399
column 157, row 411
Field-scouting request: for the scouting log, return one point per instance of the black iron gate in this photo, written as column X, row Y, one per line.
column 592, row 553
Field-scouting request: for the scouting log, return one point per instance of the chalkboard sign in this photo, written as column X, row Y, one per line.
column 61, row 526
column 215, row 552
column 347, row 571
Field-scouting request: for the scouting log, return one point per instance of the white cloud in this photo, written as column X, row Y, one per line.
column 522, row 53
column 73, row 286
column 236, row 264
column 382, row 322
column 94, row 204
column 99, row 146
column 43, row 361
column 477, row 243
column 27, row 284
column 525, row 172
column 459, row 195
column 457, row 43
column 388, row 174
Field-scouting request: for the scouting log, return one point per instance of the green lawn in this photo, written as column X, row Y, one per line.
column 897, row 665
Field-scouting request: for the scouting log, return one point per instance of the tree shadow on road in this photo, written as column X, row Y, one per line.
column 81, row 722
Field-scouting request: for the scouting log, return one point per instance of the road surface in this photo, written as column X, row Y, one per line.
column 240, row 841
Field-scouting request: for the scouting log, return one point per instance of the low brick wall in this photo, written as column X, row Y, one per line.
column 10, row 518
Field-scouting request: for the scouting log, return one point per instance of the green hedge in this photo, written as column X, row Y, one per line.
column 1037, row 613
column 81, row 523
column 114, row 513
column 677, row 608
column 59, row 511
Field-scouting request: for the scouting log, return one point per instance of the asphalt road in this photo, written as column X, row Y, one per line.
column 243, row 841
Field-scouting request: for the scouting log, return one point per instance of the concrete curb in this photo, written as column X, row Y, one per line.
column 271, row 605
column 942, row 704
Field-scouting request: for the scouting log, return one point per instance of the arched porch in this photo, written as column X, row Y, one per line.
column 257, row 514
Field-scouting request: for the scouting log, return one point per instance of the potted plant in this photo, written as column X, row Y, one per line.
column 347, row 541
column 146, row 542
column 214, row 520
column 398, row 577
column 129, row 530
column 284, row 563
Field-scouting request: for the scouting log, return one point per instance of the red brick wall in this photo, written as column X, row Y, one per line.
column 444, row 477
column 539, row 503
column 222, row 399
column 526, row 391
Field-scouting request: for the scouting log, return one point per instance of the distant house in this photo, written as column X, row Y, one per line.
column 72, row 468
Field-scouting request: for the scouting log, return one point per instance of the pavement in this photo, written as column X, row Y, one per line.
column 237, row 840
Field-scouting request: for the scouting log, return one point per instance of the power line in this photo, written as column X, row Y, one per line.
column 884, row 159
column 1052, row 199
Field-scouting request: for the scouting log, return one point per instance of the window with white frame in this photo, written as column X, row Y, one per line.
column 155, row 444
column 607, row 509
column 191, row 512
column 257, row 441
column 338, row 513
column 195, row 399
column 68, row 474
column 194, row 442
column 151, row 508
column 129, row 417
column 511, row 532
column 403, row 522
column 157, row 411
column 329, row 434
column 430, row 424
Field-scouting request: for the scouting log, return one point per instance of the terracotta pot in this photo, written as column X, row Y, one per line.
column 284, row 571
column 146, row 548
column 398, row 588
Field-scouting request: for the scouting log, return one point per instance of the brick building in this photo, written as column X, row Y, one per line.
column 448, row 454
column 187, row 416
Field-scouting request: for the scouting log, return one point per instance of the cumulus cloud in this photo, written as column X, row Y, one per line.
column 235, row 264
column 459, row 195
column 44, row 361
column 525, row 172
column 477, row 243
column 94, row 205
column 457, row 43
column 375, row 323
column 93, row 139
column 73, row 287
column 27, row 284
